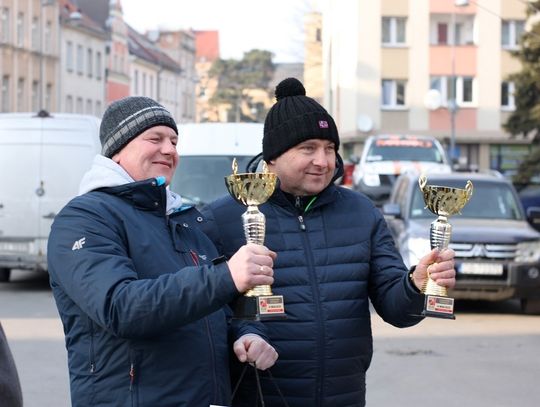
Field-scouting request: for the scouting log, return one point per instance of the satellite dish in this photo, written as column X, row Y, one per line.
column 364, row 123
column 433, row 99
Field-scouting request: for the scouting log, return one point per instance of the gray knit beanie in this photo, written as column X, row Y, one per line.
column 126, row 118
column 295, row 118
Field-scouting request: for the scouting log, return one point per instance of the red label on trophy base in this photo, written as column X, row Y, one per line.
column 271, row 304
column 439, row 307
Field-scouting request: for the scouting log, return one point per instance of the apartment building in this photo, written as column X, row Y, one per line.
column 155, row 74
column 29, row 55
column 82, row 77
column 435, row 67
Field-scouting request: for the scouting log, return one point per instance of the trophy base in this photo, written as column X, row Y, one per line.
column 438, row 307
column 260, row 308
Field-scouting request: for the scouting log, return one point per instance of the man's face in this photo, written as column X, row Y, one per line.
column 307, row 168
column 150, row 154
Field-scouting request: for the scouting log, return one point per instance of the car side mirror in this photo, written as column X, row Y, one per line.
column 391, row 209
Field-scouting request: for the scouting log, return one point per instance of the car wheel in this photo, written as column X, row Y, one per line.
column 530, row 306
column 4, row 275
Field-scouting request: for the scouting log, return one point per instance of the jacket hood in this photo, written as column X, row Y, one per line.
column 106, row 173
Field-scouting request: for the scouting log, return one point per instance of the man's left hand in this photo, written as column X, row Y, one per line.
column 252, row 348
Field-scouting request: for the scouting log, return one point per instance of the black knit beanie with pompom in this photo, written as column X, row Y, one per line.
column 295, row 118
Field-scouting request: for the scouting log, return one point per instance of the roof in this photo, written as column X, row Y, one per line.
column 67, row 8
column 143, row 48
column 207, row 45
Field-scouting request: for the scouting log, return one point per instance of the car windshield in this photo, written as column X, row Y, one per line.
column 200, row 179
column 404, row 150
column 489, row 201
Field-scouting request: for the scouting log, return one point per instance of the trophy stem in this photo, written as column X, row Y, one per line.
column 254, row 229
column 440, row 233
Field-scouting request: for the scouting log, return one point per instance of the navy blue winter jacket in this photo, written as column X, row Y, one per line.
column 331, row 261
column 140, row 301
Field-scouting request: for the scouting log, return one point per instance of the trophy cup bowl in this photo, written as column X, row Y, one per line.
column 444, row 202
column 253, row 189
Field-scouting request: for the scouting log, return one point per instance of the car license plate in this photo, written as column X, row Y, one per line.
column 483, row 269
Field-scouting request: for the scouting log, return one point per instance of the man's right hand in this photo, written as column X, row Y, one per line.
column 252, row 265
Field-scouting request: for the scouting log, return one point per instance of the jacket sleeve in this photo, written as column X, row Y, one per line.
column 97, row 275
column 393, row 297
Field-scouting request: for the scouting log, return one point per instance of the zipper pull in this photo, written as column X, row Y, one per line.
column 194, row 257
column 302, row 224
column 131, row 377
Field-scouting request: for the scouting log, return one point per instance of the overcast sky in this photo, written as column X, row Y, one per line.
column 273, row 25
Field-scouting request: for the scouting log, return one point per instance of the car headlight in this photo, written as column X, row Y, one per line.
column 371, row 179
column 528, row 252
column 418, row 247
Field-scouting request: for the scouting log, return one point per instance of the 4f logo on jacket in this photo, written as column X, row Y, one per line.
column 79, row 244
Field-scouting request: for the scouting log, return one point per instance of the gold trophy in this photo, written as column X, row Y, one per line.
column 444, row 202
column 253, row 189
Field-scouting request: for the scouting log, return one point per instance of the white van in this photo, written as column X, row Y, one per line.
column 206, row 153
column 42, row 160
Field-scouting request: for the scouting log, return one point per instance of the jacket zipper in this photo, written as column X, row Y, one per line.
column 315, row 288
column 195, row 259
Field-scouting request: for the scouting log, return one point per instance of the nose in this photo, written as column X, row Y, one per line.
column 320, row 158
column 167, row 147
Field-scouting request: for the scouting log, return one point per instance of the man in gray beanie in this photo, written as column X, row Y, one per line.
column 141, row 291
column 335, row 254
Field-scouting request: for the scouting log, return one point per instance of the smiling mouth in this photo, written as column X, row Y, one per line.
column 168, row 165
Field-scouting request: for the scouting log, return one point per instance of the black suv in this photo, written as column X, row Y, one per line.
column 497, row 251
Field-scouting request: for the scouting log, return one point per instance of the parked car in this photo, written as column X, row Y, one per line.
column 497, row 251
column 206, row 154
column 385, row 157
column 42, row 160
column 530, row 198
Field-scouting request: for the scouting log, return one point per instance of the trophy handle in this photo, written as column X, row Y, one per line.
column 422, row 181
column 469, row 188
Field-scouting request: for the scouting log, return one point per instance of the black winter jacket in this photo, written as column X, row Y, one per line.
column 331, row 261
column 140, row 301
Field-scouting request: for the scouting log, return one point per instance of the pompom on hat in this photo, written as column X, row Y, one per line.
column 295, row 118
column 126, row 118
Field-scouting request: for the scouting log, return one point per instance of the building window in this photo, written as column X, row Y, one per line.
column 35, row 34
column 136, row 82
column 89, row 107
column 35, row 96
column 79, row 108
column 80, row 60
column 445, row 31
column 393, row 93
column 20, row 29
column 511, row 32
column 20, row 95
column 4, row 21
column 507, row 96
column 69, row 104
column 69, row 56
column 462, row 89
column 318, row 35
column 5, row 93
column 99, row 65
column 89, row 62
column 393, row 30
column 98, row 108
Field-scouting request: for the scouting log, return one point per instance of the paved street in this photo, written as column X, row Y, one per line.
column 488, row 357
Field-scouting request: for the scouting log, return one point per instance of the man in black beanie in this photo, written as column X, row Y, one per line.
column 141, row 300
column 334, row 255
